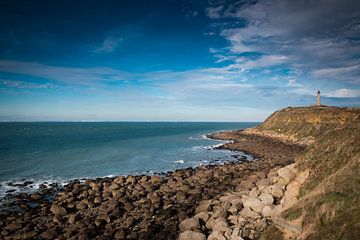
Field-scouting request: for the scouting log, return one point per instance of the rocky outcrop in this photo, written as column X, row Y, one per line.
column 246, row 212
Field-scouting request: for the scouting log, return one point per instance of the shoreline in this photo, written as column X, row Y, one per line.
column 141, row 206
column 34, row 185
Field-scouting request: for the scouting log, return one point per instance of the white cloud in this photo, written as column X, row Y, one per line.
column 110, row 44
column 344, row 93
column 313, row 37
column 333, row 72
column 24, row 85
column 214, row 12
column 69, row 75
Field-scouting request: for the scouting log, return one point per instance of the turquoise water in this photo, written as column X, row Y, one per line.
column 56, row 152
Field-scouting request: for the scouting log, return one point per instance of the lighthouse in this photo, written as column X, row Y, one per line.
column 318, row 102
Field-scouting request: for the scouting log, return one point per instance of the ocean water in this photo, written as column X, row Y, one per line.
column 58, row 151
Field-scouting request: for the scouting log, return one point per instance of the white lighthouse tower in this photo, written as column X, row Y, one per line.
column 318, row 100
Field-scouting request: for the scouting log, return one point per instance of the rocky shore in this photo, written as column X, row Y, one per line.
column 229, row 201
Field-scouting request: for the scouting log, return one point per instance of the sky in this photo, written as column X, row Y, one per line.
column 175, row 60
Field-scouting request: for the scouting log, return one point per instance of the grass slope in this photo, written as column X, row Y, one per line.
column 329, row 201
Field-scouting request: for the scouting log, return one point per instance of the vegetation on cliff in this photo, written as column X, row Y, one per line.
column 329, row 201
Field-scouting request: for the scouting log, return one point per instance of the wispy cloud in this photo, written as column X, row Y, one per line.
column 110, row 44
column 287, row 28
column 24, row 85
column 344, row 93
column 336, row 72
column 68, row 75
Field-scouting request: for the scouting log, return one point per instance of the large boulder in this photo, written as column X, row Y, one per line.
column 189, row 224
column 203, row 206
column 255, row 204
column 287, row 172
column 249, row 214
column 263, row 183
column 220, row 225
column 203, row 216
column 267, row 211
column 266, row 199
column 58, row 211
column 277, row 191
column 191, row 235
column 215, row 235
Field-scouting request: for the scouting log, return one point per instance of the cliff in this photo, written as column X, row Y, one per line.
column 328, row 204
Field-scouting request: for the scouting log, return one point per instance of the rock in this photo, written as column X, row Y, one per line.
column 255, row 204
column 246, row 233
column 35, row 196
column 277, row 191
column 220, row 225
column 215, row 235
column 267, row 211
column 81, row 205
column 181, row 196
column 28, row 235
column 97, row 200
column 285, row 173
column 254, row 192
column 203, row 216
column 262, row 183
column 105, row 218
column 72, row 218
column 191, row 235
column 13, row 226
column 290, row 195
column 120, row 234
column 260, row 224
column 189, row 224
column 58, row 211
column 233, row 219
column 249, row 214
column 236, row 234
column 210, row 223
column 49, row 234
column 241, row 221
column 229, row 198
column 203, row 206
column 266, row 198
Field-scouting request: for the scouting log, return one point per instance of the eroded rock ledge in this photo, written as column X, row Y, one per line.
column 246, row 212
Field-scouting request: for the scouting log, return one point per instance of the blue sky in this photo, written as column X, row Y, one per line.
column 175, row 60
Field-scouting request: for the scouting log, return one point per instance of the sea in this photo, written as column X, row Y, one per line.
column 35, row 153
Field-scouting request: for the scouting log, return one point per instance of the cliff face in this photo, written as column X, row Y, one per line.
column 329, row 202
column 306, row 122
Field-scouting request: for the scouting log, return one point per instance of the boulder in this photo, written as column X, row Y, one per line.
column 58, row 211
column 267, row 211
column 262, row 183
column 277, row 191
column 241, row 221
column 249, row 214
column 215, row 235
column 286, row 173
column 13, row 226
column 49, row 234
column 266, row 198
column 220, row 225
column 236, row 234
column 254, row 192
column 255, row 204
column 203, row 206
column 191, row 235
column 203, row 216
column 189, row 224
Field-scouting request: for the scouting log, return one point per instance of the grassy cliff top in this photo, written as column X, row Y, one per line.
column 305, row 122
column 329, row 202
